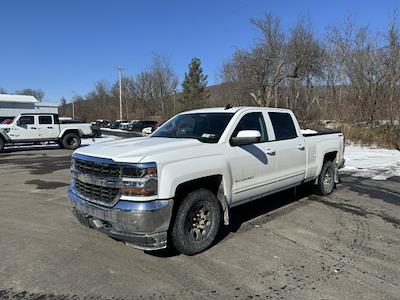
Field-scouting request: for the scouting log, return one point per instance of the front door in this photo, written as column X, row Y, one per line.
column 25, row 129
column 253, row 166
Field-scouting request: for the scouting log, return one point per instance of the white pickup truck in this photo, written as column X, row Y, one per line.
column 33, row 128
column 176, row 186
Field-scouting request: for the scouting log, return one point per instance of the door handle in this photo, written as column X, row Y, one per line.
column 49, row 127
column 301, row 147
column 270, row 152
column 33, row 128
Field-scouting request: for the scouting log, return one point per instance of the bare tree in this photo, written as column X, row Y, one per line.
column 38, row 94
column 165, row 81
column 339, row 45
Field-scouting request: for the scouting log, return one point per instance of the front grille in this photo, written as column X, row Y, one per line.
column 97, row 169
column 95, row 193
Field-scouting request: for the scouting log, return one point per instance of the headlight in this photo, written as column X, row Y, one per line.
column 72, row 164
column 139, row 180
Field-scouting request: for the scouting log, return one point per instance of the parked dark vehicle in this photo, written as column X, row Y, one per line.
column 102, row 123
column 115, row 124
column 139, row 125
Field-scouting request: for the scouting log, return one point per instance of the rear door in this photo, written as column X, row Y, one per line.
column 290, row 149
column 47, row 129
column 252, row 166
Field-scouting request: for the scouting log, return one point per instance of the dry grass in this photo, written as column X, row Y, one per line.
column 382, row 136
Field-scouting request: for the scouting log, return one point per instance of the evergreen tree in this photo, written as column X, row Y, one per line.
column 63, row 101
column 194, row 84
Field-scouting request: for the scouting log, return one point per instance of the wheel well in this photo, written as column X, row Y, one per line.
column 330, row 156
column 211, row 183
column 71, row 131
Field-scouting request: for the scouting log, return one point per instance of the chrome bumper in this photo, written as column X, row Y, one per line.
column 144, row 225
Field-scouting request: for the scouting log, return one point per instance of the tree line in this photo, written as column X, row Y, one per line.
column 152, row 94
column 349, row 73
column 37, row 93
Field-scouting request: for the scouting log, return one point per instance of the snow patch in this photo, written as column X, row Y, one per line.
column 308, row 131
column 374, row 163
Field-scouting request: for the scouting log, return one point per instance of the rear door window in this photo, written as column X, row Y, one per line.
column 45, row 120
column 283, row 125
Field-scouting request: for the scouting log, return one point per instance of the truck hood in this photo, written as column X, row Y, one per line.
column 133, row 150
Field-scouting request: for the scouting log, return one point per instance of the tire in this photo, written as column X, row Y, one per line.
column 202, row 209
column 2, row 144
column 71, row 141
column 326, row 179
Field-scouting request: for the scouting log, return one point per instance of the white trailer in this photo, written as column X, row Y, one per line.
column 13, row 105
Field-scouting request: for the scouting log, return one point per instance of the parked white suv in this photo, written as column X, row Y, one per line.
column 32, row 128
column 181, row 181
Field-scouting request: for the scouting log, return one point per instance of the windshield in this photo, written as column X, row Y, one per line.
column 205, row 127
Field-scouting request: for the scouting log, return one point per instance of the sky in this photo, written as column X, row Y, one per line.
column 64, row 46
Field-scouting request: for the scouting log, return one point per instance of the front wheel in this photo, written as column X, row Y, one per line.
column 71, row 141
column 197, row 222
column 326, row 180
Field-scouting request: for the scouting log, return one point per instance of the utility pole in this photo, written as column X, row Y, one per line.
column 119, row 68
column 73, row 105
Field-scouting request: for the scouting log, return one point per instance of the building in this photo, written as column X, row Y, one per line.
column 13, row 105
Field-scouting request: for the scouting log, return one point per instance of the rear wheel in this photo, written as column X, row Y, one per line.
column 71, row 141
column 326, row 180
column 197, row 222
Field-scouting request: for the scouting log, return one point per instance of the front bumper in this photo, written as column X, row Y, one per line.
column 144, row 225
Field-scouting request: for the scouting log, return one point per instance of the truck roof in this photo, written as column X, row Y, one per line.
column 233, row 109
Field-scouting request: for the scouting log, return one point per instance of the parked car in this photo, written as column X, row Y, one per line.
column 140, row 125
column 178, row 184
column 34, row 128
column 115, row 124
column 125, row 125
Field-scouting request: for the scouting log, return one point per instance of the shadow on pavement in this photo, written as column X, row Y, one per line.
column 244, row 217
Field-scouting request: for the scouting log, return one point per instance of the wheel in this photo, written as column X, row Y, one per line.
column 326, row 179
column 2, row 144
column 71, row 141
column 197, row 222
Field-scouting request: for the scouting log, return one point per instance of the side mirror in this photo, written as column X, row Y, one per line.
column 246, row 137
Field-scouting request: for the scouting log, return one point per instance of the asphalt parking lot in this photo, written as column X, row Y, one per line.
column 346, row 246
